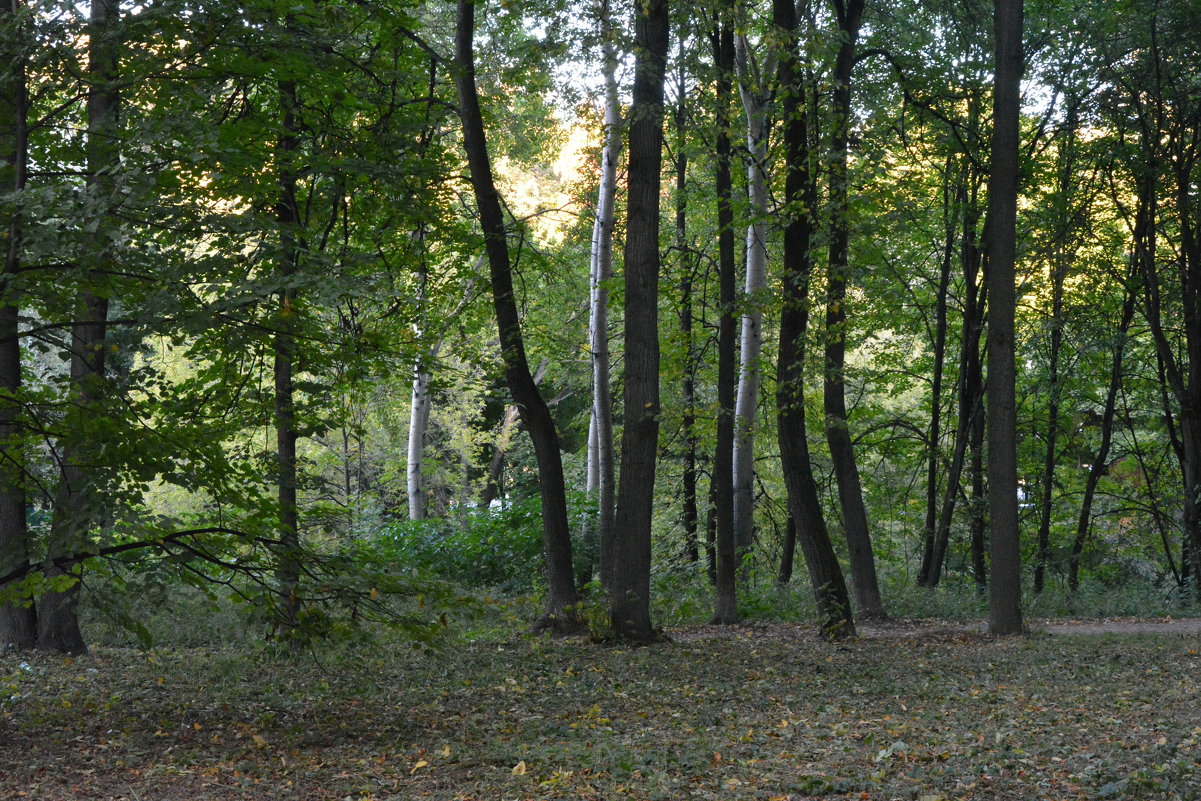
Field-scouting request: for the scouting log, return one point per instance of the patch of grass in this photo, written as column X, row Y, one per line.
column 762, row 712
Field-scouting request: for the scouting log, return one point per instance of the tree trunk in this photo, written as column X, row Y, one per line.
column 689, row 517
column 600, row 457
column 504, row 436
column 756, row 99
column 725, row 607
column 79, row 504
column 419, row 421
column 629, row 592
column 838, row 434
column 18, row 623
column 561, row 615
column 286, row 435
column 1100, row 459
column 971, row 400
column 787, row 552
column 1005, row 588
column 825, row 574
column 951, row 198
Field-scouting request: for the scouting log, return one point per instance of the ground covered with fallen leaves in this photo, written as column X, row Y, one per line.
column 760, row 712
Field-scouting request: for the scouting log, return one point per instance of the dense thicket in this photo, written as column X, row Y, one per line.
column 246, row 342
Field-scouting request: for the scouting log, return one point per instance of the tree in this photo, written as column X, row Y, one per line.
column 80, row 503
column 601, row 479
column 825, row 575
column 18, row 621
column 838, row 433
column 560, row 615
column 629, row 591
column 1005, row 588
column 725, row 610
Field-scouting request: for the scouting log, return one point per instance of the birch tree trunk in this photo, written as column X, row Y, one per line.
column 600, row 443
column 419, row 421
column 756, row 99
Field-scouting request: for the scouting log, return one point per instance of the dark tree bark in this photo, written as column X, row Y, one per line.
column 284, row 345
column 629, row 594
column 725, row 607
column 787, row 552
column 1061, row 261
column 561, row 615
column 1005, row 588
column 18, row 624
column 970, row 391
column 1100, row 459
column 825, row 574
column 838, row 433
column 951, row 194
column 79, row 504
column 689, row 517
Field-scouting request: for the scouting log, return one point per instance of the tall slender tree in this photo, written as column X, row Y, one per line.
column 725, row 609
column 79, row 505
column 561, row 615
column 629, row 590
column 601, row 479
column 1005, row 588
column 825, row 574
column 838, row 432
column 18, row 621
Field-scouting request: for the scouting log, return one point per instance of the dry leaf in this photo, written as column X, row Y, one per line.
column 519, row 768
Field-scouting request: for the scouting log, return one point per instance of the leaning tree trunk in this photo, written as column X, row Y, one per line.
column 600, row 451
column 838, row 434
column 1005, row 588
column 561, row 615
column 725, row 608
column 756, row 105
column 825, row 574
column 18, row 623
column 79, row 503
column 629, row 592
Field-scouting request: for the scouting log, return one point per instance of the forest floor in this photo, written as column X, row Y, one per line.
column 921, row 711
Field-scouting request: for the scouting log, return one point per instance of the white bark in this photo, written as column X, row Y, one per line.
column 419, row 418
column 756, row 105
column 600, row 440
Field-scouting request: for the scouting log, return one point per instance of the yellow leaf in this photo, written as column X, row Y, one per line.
column 259, row 740
column 446, row 750
column 421, row 763
column 519, row 768
column 196, row 726
column 374, row 593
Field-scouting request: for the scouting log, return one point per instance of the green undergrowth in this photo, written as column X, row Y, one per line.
column 760, row 712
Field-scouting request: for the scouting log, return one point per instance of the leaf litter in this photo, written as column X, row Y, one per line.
column 754, row 712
